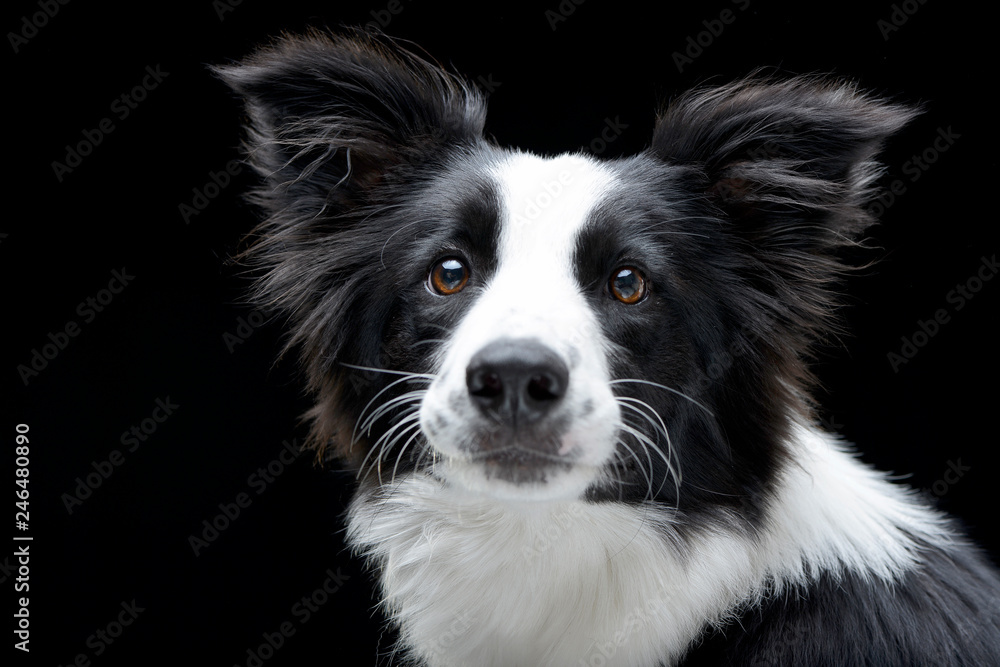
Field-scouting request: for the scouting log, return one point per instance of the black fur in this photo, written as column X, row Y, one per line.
column 946, row 614
column 371, row 161
column 348, row 135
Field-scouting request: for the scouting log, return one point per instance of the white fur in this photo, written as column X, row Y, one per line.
column 533, row 294
column 477, row 581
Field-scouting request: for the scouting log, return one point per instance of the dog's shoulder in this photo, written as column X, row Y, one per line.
column 945, row 612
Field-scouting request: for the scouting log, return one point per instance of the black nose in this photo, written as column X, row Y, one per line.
column 516, row 381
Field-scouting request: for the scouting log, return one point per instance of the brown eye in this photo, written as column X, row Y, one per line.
column 448, row 276
column 627, row 285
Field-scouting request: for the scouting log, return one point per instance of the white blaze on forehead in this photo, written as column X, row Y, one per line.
column 547, row 201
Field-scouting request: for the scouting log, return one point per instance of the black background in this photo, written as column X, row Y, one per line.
column 163, row 335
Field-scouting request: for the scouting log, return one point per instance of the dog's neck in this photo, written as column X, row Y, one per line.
column 471, row 580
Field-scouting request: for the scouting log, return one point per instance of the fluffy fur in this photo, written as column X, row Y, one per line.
column 549, row 475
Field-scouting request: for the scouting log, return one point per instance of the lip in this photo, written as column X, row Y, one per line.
column 516, row 454
column 519, row 465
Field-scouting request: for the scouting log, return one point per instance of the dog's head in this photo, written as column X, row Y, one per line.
column 530, row 327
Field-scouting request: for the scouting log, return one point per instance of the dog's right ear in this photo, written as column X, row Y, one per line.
column 331, row 115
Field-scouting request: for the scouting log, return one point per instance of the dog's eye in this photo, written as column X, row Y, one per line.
column 448, row 276
column 628, row 285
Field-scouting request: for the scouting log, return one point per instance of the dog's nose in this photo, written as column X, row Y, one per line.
column 517, row 381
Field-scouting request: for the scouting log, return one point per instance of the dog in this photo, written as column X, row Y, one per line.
column 576, row 391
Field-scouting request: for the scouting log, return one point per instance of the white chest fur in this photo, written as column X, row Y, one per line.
column 472, row 581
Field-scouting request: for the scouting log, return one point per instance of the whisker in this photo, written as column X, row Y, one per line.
column 442, row 327
column 411, row 374
column 650, row 416
column 380, row 442
column 662, row 429
column 648, row 444
column 388, row 406
column 390, row 443
column 647, row 475
column 663, row 386
column 427, row 341
column 673, row 470
column 386, row 441
column 407, row 377
column 416, row 434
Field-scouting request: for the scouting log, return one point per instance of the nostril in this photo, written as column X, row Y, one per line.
column 486, row 385
column 516, row 381
column 543, row 388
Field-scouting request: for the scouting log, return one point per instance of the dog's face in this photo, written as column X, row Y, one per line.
column 521, row 403
column 534, row 328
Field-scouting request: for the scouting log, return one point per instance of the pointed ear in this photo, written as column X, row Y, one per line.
column 788, row 167
column 335, row 123
column 777, row 154
column 331, row 115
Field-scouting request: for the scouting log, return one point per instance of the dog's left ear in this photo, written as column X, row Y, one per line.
column 792, row 162
column 788, row 168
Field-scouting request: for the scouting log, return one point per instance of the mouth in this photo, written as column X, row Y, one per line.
column 518, row 465
column 516, row 469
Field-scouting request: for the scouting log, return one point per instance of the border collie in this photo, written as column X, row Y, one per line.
column 575, row 390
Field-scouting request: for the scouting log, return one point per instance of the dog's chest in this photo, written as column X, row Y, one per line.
column 567, row 584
